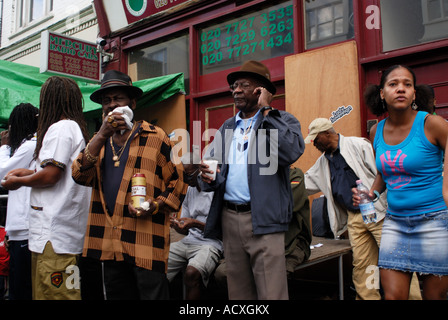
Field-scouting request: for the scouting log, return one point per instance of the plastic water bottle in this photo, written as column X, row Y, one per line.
column 366, row 204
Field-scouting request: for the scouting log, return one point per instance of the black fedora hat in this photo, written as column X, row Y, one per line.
column 117, row 80
column 253, row 69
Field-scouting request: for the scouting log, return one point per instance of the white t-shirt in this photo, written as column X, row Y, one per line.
column 18, row 200
column 59, row 213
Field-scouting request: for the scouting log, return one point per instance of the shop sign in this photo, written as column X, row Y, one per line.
column 136, row 10
column 69, row 56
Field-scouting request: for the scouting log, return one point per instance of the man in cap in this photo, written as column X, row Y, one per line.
column 253, row 196
column 132, row 243
column 343, row 161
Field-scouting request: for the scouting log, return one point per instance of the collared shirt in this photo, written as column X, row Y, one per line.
column 237, row 186
column 343, row 179
column 59, row 213
column 142, row 241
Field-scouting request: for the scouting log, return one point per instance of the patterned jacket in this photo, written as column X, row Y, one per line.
column 142, row 241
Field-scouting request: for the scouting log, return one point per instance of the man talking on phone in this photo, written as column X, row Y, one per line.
column 252, row 203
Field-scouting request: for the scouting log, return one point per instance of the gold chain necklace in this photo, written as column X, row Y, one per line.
column 117, row 155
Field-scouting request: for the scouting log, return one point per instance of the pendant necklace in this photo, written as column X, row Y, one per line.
column 245, row 137
column 117, row 155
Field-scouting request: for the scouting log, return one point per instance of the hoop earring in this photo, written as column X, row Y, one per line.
column 414, row 106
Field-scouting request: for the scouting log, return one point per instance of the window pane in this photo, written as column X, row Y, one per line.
column 333, row 24
column 313, row 34
column 338, row 11
column 21, row 13
column 264, row 34
column 325, row 30
column 161, row 59
column 339, row 26
column 325, row 15
column 434, row 11
column 411, row 22
column 311, row 17
column 37, row 9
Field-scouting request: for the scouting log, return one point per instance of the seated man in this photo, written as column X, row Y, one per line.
column 198, row 254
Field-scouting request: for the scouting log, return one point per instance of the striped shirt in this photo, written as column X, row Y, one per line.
column 142, row 241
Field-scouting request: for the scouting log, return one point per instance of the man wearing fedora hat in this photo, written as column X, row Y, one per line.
column 252, row 204
column 131, row 243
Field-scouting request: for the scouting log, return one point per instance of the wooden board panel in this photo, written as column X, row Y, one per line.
column 323, row 83
column 168, row 114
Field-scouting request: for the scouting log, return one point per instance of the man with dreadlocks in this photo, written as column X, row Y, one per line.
column 16, row 151
column 129, row 247
column 59, row 206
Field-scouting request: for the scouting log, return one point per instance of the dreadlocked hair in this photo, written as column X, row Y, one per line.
column 60, row 98
column 22, row 125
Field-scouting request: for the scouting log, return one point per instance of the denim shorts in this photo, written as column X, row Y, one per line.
column 415, row 243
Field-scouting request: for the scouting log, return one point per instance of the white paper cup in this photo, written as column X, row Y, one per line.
column 212, row 165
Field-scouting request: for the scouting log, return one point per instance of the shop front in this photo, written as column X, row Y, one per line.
column 301, row 41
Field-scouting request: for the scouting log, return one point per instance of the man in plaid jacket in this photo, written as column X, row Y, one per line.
column 129, row 246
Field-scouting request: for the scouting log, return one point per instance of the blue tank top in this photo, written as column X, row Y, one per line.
column 412, row 171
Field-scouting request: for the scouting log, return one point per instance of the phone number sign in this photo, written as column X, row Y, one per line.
column 69, row 56
column 259, row 36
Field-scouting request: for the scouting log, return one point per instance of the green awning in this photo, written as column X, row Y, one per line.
column 21, row 83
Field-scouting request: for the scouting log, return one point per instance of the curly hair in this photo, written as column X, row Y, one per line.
column 22, row 124
column 424, row 98
column 60, row 98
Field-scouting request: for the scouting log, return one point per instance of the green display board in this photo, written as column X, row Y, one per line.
column 260, row 35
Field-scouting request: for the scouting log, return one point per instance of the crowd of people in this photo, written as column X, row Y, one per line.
column 71, row 215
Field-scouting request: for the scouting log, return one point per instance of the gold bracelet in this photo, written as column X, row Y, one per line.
column 157, row 207
column 89, row 156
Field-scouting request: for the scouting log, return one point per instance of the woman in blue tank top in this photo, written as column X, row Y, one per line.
column 409, row 148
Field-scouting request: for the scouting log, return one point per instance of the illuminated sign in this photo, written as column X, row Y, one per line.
column 136, row 10
column 262, row 35
column 69, row 56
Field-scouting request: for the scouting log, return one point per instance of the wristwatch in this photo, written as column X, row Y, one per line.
column 263, row 109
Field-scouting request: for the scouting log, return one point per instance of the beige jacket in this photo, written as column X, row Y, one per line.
column 358, row 153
